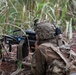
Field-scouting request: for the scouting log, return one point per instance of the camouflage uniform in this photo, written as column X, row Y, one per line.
column 45, row 61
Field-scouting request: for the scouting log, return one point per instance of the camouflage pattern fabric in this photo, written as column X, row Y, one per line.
column 47, row 62
column 45, row 30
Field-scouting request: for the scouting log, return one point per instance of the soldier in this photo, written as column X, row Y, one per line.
column 51, row 57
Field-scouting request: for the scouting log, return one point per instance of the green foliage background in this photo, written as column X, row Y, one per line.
column 21, row 13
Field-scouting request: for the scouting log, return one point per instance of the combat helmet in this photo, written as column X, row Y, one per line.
column 45, row 30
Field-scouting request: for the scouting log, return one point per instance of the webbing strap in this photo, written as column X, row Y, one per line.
column 56, row 49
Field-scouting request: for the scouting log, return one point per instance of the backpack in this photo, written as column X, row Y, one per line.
column 69, row 66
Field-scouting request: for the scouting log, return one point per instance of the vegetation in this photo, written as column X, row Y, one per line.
column 21, row 13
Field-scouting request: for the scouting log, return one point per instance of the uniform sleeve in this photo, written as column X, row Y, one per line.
column 39, row 62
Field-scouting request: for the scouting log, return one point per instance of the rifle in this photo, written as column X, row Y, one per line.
column 23, row 40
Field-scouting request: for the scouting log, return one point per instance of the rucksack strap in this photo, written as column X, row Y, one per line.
column 56, row 49
column 69, row 64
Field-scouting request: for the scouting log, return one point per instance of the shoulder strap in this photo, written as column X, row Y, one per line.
column 56, row 49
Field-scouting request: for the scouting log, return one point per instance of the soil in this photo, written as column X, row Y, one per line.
column 7, row 68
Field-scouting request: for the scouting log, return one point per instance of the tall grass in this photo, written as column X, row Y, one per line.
column 21, row 13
